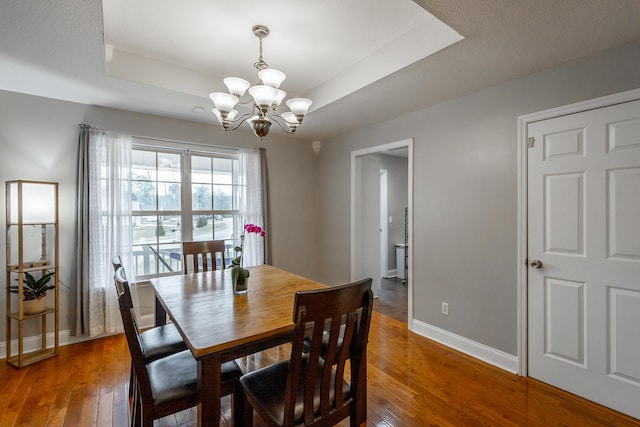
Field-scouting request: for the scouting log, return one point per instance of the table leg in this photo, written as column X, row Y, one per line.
column 161, row 314
column 209, row 374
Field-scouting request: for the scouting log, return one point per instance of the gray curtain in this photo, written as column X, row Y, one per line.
column 265, row 205
column 79, row 292
column 103, row 227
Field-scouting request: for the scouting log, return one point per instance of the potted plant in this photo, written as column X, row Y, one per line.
column 34, row 292
column 239, row 274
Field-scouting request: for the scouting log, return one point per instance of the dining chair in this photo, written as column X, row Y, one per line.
column 311, row 388
column 156, row 342
column 306, row 345
column 169, row 384
column 203, row 255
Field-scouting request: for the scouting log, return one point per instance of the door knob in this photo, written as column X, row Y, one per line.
column 536, row 263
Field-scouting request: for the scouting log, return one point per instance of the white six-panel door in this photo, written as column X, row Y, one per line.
column 584, row 239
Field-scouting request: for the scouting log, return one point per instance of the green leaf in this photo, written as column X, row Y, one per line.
column 34, row 288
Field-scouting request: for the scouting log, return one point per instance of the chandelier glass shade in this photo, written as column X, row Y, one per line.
column 265, row 97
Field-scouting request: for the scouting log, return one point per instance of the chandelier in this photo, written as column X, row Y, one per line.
column 266, row 97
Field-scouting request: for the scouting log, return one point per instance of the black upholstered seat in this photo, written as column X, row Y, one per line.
column 161, row 341
column 176, row 377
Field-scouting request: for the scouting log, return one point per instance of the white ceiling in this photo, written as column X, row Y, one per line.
column 360, row 61
column 201, row 42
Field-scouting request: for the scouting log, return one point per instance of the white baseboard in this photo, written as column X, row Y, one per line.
column 474, row 349
column 391, row 273
column 33, row 343
column 65, row 338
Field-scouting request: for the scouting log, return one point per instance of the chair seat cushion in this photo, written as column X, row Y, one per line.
column 267, row 386
column 161, row 341
column 176, row 376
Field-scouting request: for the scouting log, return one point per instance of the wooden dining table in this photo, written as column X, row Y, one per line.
column 218, row 325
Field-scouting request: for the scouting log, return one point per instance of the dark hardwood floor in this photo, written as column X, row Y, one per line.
column 412, row 381
column 392, row 299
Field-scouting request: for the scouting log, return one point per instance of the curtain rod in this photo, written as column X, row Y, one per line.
column 199, row 144
column 86, row 126
column 151, row 138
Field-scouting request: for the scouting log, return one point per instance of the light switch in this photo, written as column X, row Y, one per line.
column 390, row 219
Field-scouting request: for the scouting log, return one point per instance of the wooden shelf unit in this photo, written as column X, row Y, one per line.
column 22, row 218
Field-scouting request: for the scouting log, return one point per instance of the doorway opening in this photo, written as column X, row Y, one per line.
column 381, row 206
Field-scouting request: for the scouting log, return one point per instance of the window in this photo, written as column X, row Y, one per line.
column 181, row 196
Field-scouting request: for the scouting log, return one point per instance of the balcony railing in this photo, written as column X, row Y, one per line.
column 150, row 261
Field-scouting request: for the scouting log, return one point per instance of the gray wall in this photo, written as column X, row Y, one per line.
column 465, row 195
column 366, row 260
column 464, row 198
column 38, row 141
column 397, row 193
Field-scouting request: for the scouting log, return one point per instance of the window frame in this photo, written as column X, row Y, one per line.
column 186, row 213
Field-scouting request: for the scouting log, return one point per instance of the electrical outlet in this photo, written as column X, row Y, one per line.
column 445, row 307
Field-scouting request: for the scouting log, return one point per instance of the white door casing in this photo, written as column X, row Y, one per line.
column 584, row 226
column 356, row 212
column 384, row 225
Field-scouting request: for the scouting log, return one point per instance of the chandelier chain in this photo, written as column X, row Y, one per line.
column 260, row 65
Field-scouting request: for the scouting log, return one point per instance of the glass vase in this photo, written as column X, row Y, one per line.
column 240, row 286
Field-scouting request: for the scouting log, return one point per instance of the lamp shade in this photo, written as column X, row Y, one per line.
column 236, row 85
column 280, row 94
column 35, row 200
column 271, row 77
column 224, row 101
column 230, row 115
column 290, row 118
column 299, row 106
column 263, row 95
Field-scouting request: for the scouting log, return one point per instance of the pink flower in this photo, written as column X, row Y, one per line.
column 252, row 228
column 248, row 228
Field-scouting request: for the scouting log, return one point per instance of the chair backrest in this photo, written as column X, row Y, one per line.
column 203, row 254
column 131, row 331
column 338, row 320
column 117, row 262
